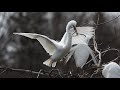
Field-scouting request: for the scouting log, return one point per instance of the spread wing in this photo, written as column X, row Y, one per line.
column 69, row 55
column 92, row 54
column 81, row 55
column 88, row 31
column 48, row 44
column 84, row 35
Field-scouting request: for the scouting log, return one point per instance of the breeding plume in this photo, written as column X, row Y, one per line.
column 57, row 50
column 111, row 70
column 80, row 49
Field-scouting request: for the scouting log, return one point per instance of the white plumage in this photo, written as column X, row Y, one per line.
column 81, row 55
column 48, row 44
column 111, row 70
column 57, row 49
column 81, row 51
column 84, row 35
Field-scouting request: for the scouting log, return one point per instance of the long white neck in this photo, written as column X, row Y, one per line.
column 68, row 41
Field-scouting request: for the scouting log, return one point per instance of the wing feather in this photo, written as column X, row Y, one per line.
column 48, row 44
column 92, row 54
column 89, row 31
column 81, row 39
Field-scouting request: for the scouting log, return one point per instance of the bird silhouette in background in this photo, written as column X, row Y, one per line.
column 111, row 70
column 57, row 50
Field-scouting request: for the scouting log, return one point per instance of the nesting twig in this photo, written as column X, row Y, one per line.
column 22, row 70
column 29, row 71
column 3, row 71
column 39, row 73
column 94, row 41
column 95, row 44
column 113, row 49
column 94, row 73
column 115, row 59
column 57, row 71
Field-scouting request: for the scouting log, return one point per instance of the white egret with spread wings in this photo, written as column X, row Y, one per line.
column 57, row 50
column 80, row 49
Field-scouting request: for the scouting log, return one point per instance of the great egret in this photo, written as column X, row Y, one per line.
column 57, row 50
column 111, row 70
column 81, row 51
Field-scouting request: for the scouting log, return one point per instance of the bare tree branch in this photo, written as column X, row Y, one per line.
column 23, row 70
column 33, row 72
column 109, row 21
column 95, row 44
column 3, row 71
column 113, row 49
column 39, row 73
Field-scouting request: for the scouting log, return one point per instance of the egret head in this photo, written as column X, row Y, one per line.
column 71, row 26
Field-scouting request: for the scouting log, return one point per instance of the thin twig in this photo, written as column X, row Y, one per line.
column 29, row 71
column 3, row 71
column 103, row 53
column 98, row 19
column 109, row 20
column 57, row 71
column 85, row 24
column 95, row 44
column 21, row 70
column 39, row 73
column 115, row 59
column 98, row 69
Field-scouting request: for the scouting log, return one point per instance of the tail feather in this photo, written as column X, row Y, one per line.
column 54, row 64
column 48, row 62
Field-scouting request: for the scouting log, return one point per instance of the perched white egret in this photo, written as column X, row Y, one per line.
column 111, row 70
column 81, row 54
column 81, row 51
column 57, row 50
